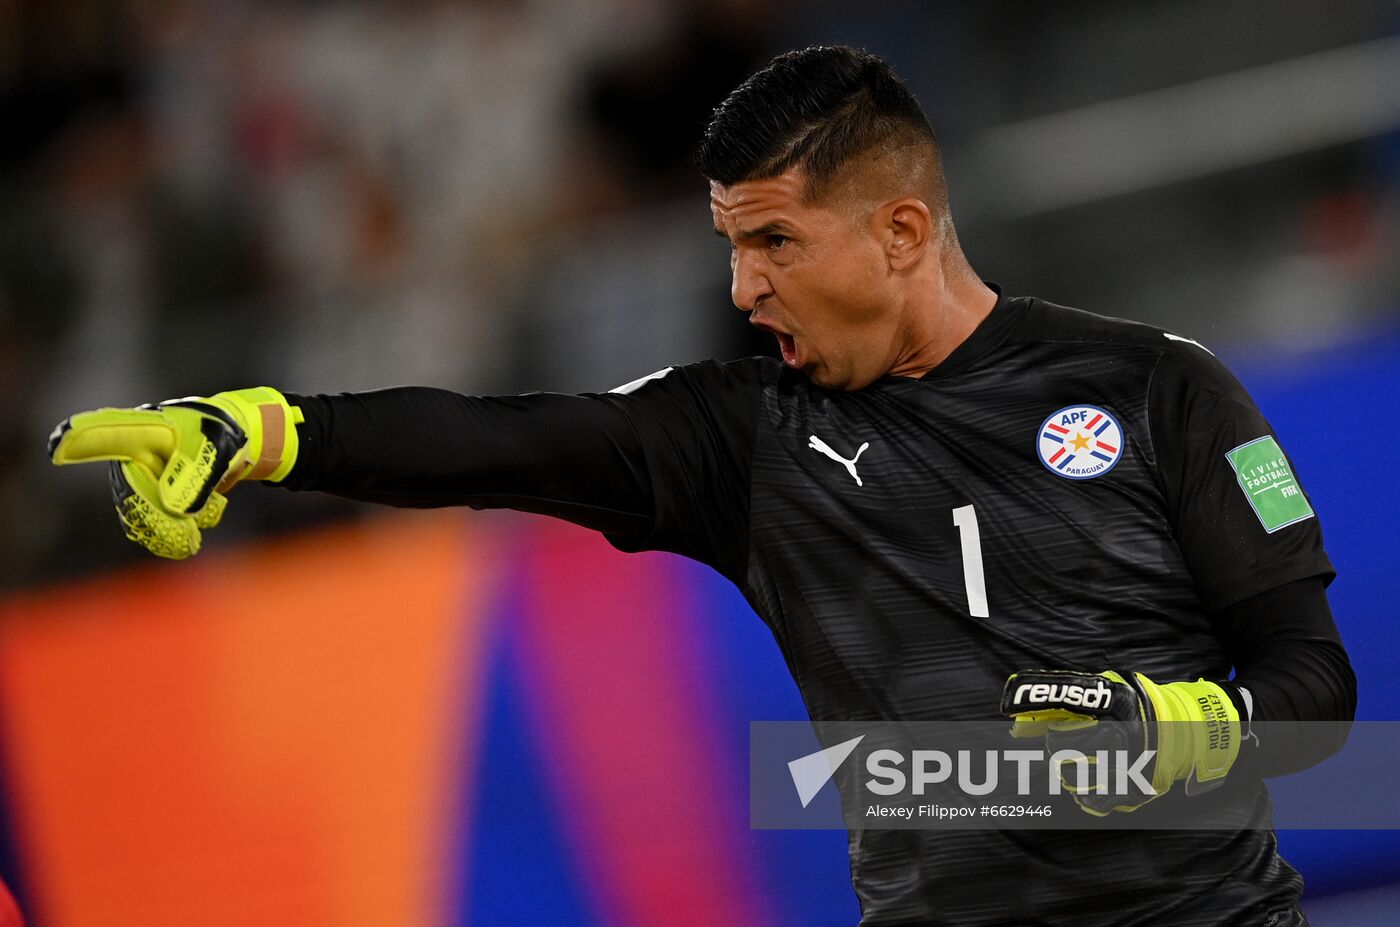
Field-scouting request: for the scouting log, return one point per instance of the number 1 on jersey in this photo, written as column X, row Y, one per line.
column 965, row 517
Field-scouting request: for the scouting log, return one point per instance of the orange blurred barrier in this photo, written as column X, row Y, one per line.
column 254, row 737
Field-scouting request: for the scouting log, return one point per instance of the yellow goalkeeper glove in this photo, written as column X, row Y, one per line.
column 171, row 462
column 1169, row 733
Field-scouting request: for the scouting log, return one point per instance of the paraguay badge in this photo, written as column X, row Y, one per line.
column 1079, row 442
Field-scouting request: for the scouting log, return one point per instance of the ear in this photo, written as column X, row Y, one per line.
column 906, row 225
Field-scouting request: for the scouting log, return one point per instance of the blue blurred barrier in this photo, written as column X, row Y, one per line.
column 1336, row 414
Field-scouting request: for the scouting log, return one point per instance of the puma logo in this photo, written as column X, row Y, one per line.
column 817, row 444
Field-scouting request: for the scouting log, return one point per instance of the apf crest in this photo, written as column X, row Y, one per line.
column 1079, row 442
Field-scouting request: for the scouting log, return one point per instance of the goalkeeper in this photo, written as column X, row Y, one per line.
column 945, row 502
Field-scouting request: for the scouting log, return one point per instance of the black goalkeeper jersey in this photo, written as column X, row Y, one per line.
column 1064, row 491
column 910, row 544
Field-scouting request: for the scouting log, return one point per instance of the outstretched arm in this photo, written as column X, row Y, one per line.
column 572, row 457
column 660, row 464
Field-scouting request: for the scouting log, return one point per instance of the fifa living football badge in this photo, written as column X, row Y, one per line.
column 1079, row 442
column 1269, row 484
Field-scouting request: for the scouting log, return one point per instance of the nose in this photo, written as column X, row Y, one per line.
column 750, row 285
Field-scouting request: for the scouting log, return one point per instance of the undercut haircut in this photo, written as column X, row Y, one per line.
column 824, row 110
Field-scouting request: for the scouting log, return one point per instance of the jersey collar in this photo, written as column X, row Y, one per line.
column 991, row 332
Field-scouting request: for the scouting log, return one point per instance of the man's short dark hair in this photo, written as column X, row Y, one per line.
column 817, row 109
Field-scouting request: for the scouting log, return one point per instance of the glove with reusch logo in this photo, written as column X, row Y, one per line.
column 1151, row 735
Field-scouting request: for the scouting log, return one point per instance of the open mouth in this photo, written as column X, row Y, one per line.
column 788, row 346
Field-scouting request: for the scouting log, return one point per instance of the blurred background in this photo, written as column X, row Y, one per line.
column 337, row 715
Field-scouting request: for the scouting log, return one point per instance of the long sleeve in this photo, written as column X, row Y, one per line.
column 660, row 464
column 1289, row 657
column 573, row 457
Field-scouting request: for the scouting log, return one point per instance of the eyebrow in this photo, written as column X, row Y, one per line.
column 768, row 228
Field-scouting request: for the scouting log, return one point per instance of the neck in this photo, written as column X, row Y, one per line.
column 942, row 314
